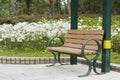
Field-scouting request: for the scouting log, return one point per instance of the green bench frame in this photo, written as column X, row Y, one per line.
column 79, row 43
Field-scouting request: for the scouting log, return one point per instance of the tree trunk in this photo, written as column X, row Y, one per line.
column 58, row 5
column 81, row 6
column 52, row 8
column 27, row 6
column 68, row 5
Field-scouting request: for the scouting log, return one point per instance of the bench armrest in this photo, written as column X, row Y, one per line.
column 50, row 41
column 83, row 48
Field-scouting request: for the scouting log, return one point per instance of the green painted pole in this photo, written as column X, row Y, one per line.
column 107, row 11
column 74, row 24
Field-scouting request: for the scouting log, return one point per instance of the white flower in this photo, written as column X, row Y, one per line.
column 81, row 20
column 118, row 29
column 12, row 39
column 114, row 33
column 31, row 31
column 1, row 39
column 100, row 19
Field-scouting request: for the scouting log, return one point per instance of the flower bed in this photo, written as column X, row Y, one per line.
column 35, row 35
column 32, row 35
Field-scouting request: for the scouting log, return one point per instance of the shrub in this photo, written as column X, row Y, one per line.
column 34, row 35
column 30, row 36
column 116, row 43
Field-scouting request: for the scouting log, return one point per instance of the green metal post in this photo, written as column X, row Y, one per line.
column 74, row 24
column 107, row 4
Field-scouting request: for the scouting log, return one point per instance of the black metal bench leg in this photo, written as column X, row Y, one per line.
column 59, row 60
column 94, row 67
column 54, row 61
column 89, row 69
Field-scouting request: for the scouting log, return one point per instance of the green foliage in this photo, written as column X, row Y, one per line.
column 42, row 7
column 30, row 45
column 4, row 9
column 57, row 41
column 91, row 6
column 39, row 6
column 115, row 58
column 19, row 8
column 116, row 43
column 115, row 22
column 94, row 21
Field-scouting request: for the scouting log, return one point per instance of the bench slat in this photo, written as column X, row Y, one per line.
column 79, row 46
column 79, row 41
column 86, row 32
column 74, row 36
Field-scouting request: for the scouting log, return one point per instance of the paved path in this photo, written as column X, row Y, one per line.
column 41, row 72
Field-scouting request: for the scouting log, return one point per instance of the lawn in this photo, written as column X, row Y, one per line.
column 115, row 57
column 22, row 53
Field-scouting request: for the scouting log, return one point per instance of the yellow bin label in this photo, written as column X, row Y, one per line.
column 107, row 44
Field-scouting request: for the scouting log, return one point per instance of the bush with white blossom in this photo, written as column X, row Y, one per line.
column 24, row 35
column 28, row 34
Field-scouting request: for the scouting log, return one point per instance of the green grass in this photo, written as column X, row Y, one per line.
column 22, row 53
column 115, row 57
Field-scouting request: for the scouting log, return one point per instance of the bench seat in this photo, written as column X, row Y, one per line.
column 68, row 50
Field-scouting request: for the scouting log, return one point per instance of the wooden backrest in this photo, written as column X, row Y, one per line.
column 75, row 38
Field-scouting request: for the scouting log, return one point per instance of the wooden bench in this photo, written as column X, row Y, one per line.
column 80, row 43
